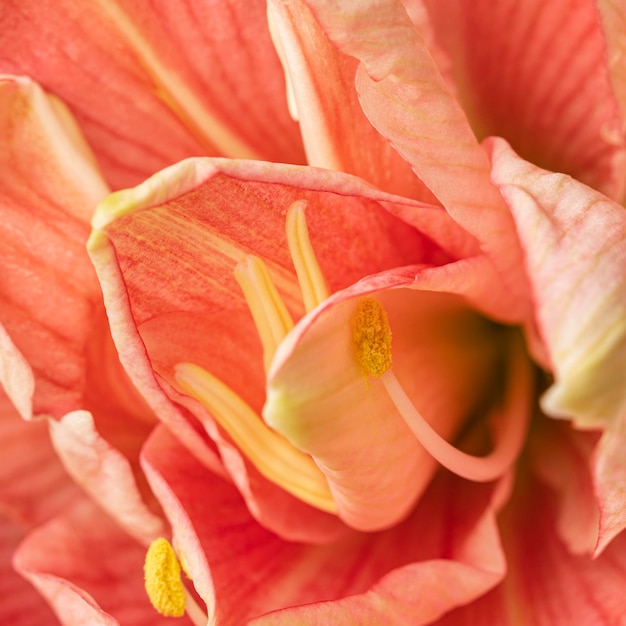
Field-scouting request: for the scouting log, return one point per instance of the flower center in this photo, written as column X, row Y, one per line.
column 371, row 337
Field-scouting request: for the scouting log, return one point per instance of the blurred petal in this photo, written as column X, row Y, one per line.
column 48, row 288
column 445, row 356
column 535, row 73
column 561, row 458
column 88, row 569
column 21, row 604
column 405, row 98
column 336, row 133
column 166, row 253
column 33, row 484
column 241, row 571
column 178, row 81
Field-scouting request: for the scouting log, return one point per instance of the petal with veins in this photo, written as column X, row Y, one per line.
column 166, row 254
column 48, row 287
column 535, row 73
column 177, row 81
column 405, row 98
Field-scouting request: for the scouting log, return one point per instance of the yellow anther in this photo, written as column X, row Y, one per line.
column 162, row 579
column 269, row 312
column 371, row 336
column 271, row 453
column 312, row 283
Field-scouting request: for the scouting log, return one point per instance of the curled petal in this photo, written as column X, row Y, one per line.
column 444, row 355
column 166, row 253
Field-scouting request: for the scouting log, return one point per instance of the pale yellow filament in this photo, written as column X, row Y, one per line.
column 271, row 318
column 274, row 457
column 312, row 282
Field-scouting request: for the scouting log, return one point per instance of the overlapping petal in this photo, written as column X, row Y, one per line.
column 151, row 84
column 536, row 74
column 48, row 289
column 446, row 356
column 405, row 97
column 575, row 242
column 166, row 254
column 242, row 571
column 21, row 604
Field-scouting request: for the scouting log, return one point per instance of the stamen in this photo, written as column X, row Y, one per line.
column 312, row 283
column 371, row 336
column 268, row 451
column 162, row 579
column 509, row 436
column 269, row 312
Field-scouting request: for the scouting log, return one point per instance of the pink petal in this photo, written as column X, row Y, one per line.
column 33, row 484
column 151, row 84
column 409, row 104
column 336, row 133
column 241, row 571
column 535, row 73
column 189, row 226
column 575, row 242
column 547, row 584
column 445, row 355
column 21, row 604
column 89, row 571
column 47, row 288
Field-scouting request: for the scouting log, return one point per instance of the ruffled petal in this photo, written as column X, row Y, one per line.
column 405, row 98
column 105, row 473
column 151, row 84
column 241, row 571
column 575, row 241
column 89, row 570
column 48, row 288
column 575, row 246
column 321, row 82
column 444, row 354
column 536, row 74
column 166, row 253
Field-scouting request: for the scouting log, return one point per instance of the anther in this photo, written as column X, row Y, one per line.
column 162, row 579
column 371, row 336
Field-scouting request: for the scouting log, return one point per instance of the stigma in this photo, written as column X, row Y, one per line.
column 162, row 579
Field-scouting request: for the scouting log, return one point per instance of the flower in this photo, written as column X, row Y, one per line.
column 378, row 307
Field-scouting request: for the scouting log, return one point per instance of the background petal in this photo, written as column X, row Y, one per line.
column 48, row 289
column 151, row 84
column 535, row 73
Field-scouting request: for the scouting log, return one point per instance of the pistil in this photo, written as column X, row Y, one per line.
column 372, row 340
